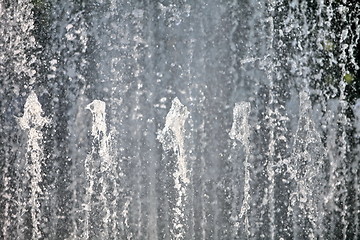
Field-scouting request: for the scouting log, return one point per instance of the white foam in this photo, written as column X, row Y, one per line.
column 240, row 131
column 32, row 122
column 172, row 137
column 101, row 147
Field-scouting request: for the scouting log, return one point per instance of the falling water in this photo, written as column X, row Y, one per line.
column 179, row 119
column 241, row 132
column 95, row 167
column 32, row 122
column 307, row 171
column 172, row 138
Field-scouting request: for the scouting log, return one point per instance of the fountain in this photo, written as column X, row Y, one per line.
column 172, row 138
column 179, row 119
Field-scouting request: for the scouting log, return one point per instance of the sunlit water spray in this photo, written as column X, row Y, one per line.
column 306, row 169
column 172, row 137
column 240, row 131
column 98, row 163
column 32, row 123
column 288, row 170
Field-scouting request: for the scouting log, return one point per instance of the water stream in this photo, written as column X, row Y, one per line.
column 179, row 119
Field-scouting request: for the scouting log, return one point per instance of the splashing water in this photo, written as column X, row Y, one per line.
column 100, row 147
column 32, row 122
column 173, row 138
column 263, row 145
column 241, row 131
column 306, row 169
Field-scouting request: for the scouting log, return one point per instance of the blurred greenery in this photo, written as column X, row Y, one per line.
column 328, row 45
column 349, row 78
column 38, row 3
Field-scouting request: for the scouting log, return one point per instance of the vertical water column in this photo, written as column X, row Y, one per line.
column 271, row 117
column 150, row 166
column 306, row 172
column 202, row 216
column 276, row 122
column 349, row 38
column 138, row 49
column 20, row 176
column 172, row 137
column 6, row 197
column 329, row 120
column 97, row 166
column 356, row 170
column 66, row 77
column 240, row 131
column 32, row 122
